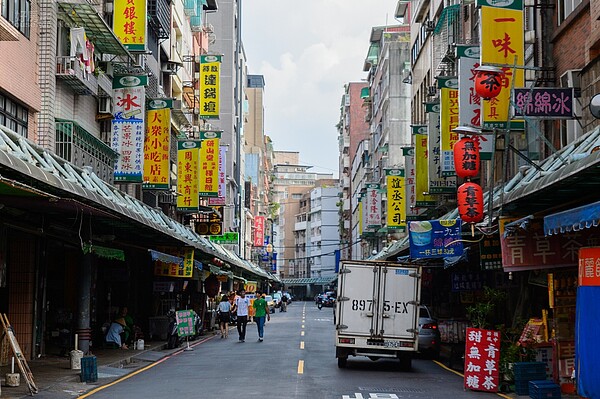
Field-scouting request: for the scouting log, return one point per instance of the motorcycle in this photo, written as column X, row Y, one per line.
column 320, row 303
column 173, row 338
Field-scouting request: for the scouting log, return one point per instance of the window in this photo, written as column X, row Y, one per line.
column 17, row 12
column 565, row 8
column 13, row 115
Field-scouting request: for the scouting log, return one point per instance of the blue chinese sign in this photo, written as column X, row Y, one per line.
column 435, row 238
column 544, row 102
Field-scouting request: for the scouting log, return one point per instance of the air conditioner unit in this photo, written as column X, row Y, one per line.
column 429, row 26
column 572, row 78
column 347, row 100
column 170, row 67
column 431, row 91
column 105, row 105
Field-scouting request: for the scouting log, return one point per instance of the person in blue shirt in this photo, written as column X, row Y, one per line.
column 116, row 329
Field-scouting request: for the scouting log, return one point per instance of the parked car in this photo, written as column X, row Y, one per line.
column 277, row 299
column 270, row 303
column 429, row 333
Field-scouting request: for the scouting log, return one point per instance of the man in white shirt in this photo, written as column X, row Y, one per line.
column 241, row 305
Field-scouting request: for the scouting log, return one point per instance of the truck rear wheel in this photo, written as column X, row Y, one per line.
column 342, row 362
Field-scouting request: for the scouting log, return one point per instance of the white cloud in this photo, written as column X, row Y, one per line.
column 306, row 52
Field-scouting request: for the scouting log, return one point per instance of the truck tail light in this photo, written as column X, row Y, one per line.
column 346, row 340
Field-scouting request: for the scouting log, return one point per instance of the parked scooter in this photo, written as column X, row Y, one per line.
column 198, row 328
column 173, row 339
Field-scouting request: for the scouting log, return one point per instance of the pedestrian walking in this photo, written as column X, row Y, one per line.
column 241, row 306
column 261, row 311
column 224, row 316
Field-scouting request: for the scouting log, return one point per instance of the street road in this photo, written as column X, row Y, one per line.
column 296, row 360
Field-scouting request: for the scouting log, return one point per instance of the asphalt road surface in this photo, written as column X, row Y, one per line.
column 295, row 360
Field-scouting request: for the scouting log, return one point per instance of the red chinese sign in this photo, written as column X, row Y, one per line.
column 589, row 266
column 529, row 248
column 259, row 231
column 482, row 358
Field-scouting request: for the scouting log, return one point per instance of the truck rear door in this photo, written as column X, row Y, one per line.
column 356, row 298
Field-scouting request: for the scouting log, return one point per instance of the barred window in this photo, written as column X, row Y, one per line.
column 13, row 115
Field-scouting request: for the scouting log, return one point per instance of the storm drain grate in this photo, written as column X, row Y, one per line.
column 391, row 389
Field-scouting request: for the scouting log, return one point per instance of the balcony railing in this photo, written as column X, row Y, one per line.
column 71, row 71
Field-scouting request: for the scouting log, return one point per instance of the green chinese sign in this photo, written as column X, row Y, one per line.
column 227, row 238
column 185, row 322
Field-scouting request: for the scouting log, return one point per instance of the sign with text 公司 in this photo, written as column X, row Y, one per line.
column 482, row 360
column 435, row 238
column 396, row 194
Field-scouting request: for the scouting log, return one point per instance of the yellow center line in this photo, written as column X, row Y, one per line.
column 302, row 325
column 302, row 333
column 300, row 366
column 301, row 344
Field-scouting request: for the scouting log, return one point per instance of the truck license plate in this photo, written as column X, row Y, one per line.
column 391, row 344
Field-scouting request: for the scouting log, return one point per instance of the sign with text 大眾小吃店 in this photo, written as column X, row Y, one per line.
column 157, row 145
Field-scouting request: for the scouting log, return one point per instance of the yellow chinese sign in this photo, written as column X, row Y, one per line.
column 129, row 23
column 396, row 199
column 250, row 286
column 157, row 145
column 188, row 158
column 360, row 216
column 188, row 261
column 502, row 43
column 209, row 164
column 448, row 121
column 175, row 266
column 210, row 66
column 421, row 167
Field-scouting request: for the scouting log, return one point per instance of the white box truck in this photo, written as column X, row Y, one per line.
column 377, row 311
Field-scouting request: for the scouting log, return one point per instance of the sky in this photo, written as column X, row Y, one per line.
column 306, row 51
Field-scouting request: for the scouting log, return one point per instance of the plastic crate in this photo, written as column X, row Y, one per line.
column 543, row 389
column 89, row 369
column 522, row 387
column 529, row 371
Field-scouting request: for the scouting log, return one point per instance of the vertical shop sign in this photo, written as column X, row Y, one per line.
column 129, row 23
column 410, row 200
column 438, row 184
column 421, row 165
column 449, row 120
column 128, row 127
column 589, row 266
column 157, row 146
column 259, row 231
column 361, row 216
column 482, row 359
column 490, row 253
column 220, row 200
column 502, row 43
column 209, row 164
column 188, row 154
column 188, row 261
column 396, row 197
column 373, row 206
column 210, row 66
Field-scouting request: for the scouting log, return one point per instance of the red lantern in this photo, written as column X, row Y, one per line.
column 466, row 157
column 470, row 202
column 488, row 82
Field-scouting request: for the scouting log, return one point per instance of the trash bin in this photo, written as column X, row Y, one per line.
column 89, row 369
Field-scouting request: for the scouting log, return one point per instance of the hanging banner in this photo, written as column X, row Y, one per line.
column 188, row 161
column 435, row 238
column 490, row 253
column 502, row 43
column 259, row 231
column 221, row 199
column 128, row 127
column 360, row 215
column 210, row 66
column 449, row 120
column 129, row 23
column 157, row 145
column 188, row 261
column 438, row 184
column 396, row 199
column 482, row 360
column 209, row 164
column 373, row 206
column 421, row 165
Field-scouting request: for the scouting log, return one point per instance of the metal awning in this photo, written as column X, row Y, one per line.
column 166, row 258
column 308, row 280
column 85, row 16
column 575, row 219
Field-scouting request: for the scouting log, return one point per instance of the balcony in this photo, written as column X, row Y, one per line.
column 70, row 71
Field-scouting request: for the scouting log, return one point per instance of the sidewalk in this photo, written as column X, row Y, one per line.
column 55, row 379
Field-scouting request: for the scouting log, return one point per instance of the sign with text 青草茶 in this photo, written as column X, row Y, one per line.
column 482, row 360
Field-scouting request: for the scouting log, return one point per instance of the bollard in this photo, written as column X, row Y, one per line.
column 13, row 379
column 76, row 356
